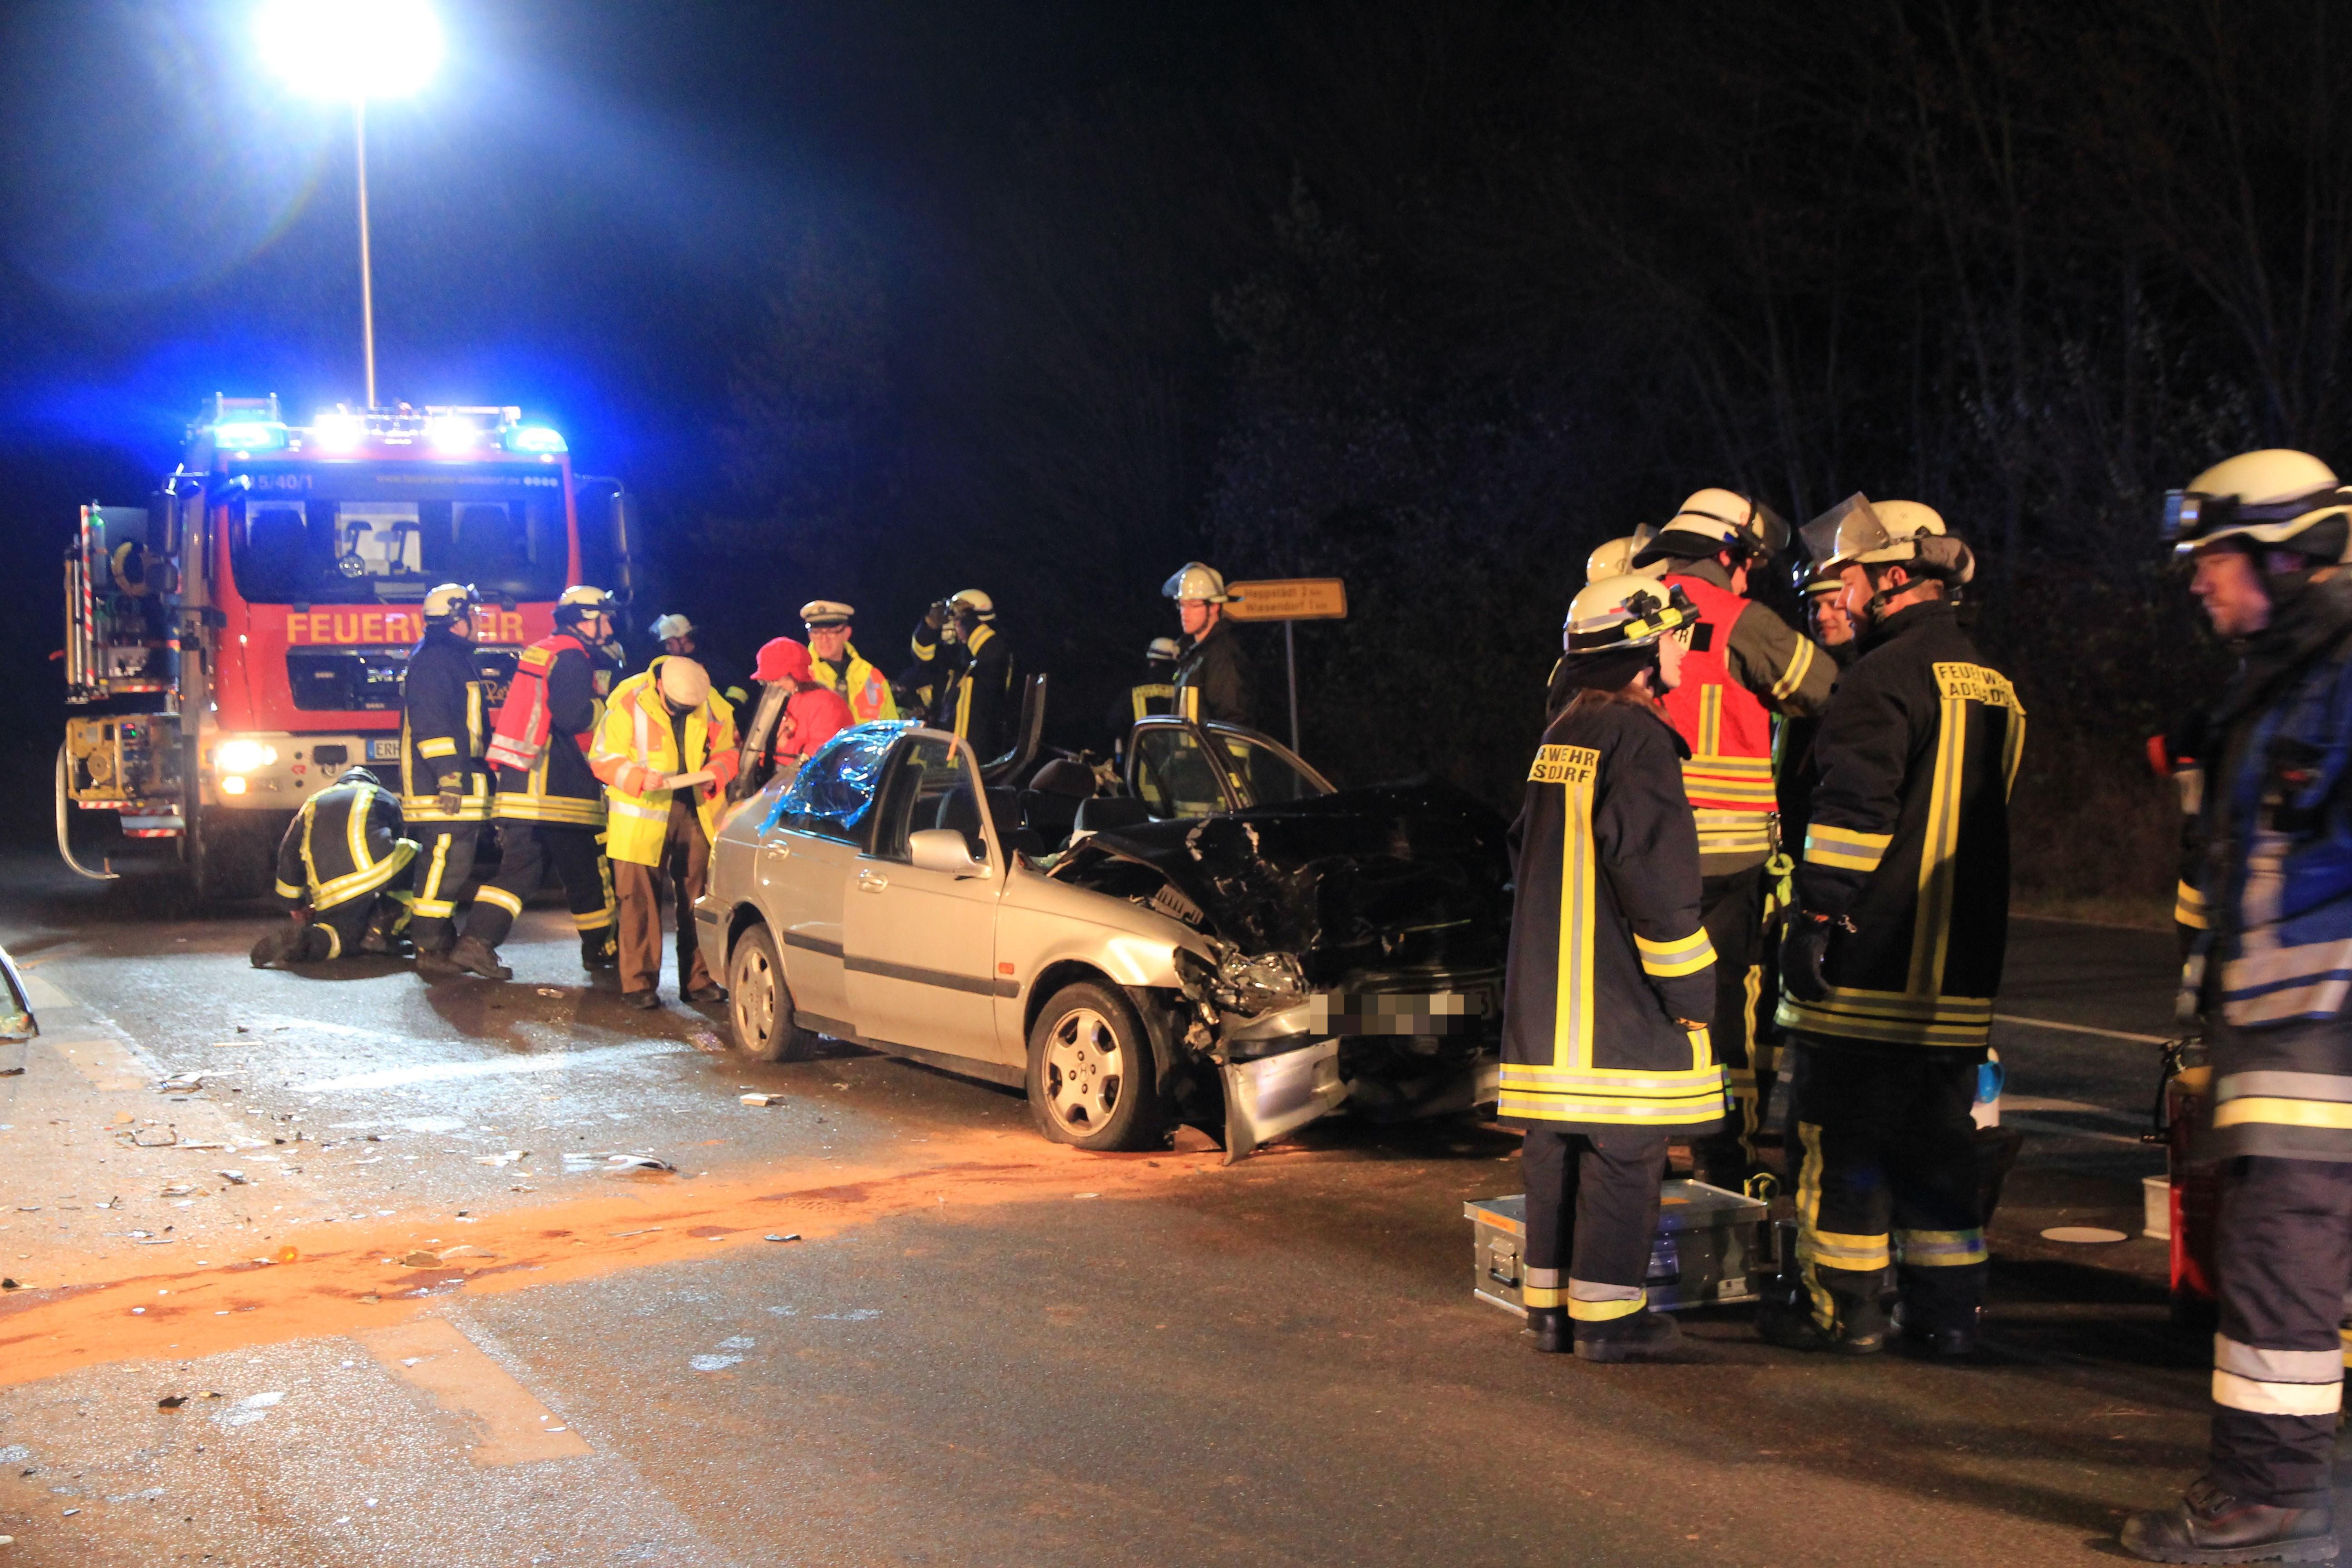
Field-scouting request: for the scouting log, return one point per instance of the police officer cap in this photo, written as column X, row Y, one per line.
column 825, row 613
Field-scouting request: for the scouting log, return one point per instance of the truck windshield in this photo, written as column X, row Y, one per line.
column 346, row 538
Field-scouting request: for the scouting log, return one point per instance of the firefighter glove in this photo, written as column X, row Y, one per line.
column 450, row 799
column 1804, row 954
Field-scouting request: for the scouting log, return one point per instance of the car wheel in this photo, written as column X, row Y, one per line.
column 760, row 1004
column 1092, row 1082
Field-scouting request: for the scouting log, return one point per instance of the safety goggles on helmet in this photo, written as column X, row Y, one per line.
column 2191, row 519
column 450, row 600
column 1625, row 612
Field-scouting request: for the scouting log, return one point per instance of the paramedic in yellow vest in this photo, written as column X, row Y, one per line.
column 1746, row 664
column 666, row 751
column 837, row 666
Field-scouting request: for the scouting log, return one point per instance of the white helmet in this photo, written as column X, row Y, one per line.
column 449, row 600
column 670, row 627
column 977, row 602
column 1714, row 520
column 1629, row 611
column 1857, row 533
column 2266, row 498
column 684, row 683
column 1167, row 648
column 1197, row 581
column 1616, row 559
column 577, row 602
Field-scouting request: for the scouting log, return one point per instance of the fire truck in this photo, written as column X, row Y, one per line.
column 240, row 639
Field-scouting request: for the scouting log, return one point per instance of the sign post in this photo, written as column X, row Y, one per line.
column 1289, row 600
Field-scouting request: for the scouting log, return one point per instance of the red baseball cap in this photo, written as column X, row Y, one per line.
column 781, row 657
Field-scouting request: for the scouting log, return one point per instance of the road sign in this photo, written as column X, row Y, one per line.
column 1290, row 599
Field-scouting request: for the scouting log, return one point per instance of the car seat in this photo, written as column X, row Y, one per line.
column 1110, row 813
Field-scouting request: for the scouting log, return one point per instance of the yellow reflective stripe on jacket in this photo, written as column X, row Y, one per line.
column 1793, row 678
column 1843, row 848
column 444, row 747
column 1891, row 1018
column 1577, row 769
column 2188, row 908
column 635, row 739
column 1684, row 955
column 287, row 890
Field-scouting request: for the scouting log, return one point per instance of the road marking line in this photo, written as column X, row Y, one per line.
column 2034, row 1102
column 505, row 1422
column 601, row 1058
column 2079, row 1029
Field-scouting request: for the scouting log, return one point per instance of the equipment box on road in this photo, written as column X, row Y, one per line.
column 1710, row 1247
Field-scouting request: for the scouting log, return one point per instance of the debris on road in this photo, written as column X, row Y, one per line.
column 619, row 1234
column 182, row 1083
column 793, row 1236
column 250, row 1409
column 10, row 1072
column 171, row 1402
column 499, row 1162
column 760, row 1099
column 703, row 1040
column 146, row 1137
column 548, row 991
column 420, row 1258
column 10, row 1285
column 712, row 1362
column 637, row 1162
column 234, row 1178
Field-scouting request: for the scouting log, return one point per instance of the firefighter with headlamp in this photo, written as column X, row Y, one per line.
column 1747, row 665
column 444, row 786
column 551, row 805
column 2269, row 533
column 1893, row 956
column 966, row 665
column 1613, row 558
column 1610, row 976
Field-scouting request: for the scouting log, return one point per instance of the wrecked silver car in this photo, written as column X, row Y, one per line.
column 1233, row 943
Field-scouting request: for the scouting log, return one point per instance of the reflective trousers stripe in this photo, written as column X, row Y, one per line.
column 2233, row 1392
column 1593, row 1303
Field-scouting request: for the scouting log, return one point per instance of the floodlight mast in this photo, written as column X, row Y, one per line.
column 357, row 50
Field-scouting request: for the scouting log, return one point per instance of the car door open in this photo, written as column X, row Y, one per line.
column 806, row 858
column 920, row 938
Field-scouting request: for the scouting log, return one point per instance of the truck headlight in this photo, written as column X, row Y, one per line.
column 242, row 756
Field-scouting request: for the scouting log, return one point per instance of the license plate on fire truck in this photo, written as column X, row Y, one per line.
column 383, row 751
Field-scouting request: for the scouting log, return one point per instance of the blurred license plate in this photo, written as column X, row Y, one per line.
column 383, row 751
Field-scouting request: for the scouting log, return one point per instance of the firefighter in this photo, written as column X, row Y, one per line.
column 814, row 712
column 965, row 664
column 2268, row 532
column 1213, row 674
column 550, row 805
column 1747, row 664
column 681, row 636
column 1609, row 978
column 1153, row 691
column 445, row 787
column 1892, row 956
column 1612, row 559
column 838, row 667
column 661, row 726
column 343, row 870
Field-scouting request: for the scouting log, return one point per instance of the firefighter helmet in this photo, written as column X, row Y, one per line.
column 2271, row 499
column 1716, row 519
column 1630, row 611
column 981, row 607
column 1197, row 581
column 579, row 602
column 670, row 627
column 1616, row 559
column 1167, row 650
column 685, row 685
column 450, row 600
column 1858, row 533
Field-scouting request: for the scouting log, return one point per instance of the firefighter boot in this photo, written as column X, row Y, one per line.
column 1792, row 1326
column 474, row 956
column 1935, row 1342
column 277, row 945
column 1550, row 1326
column 600, row 949
column 2208, row 1525
column 1645, row 1335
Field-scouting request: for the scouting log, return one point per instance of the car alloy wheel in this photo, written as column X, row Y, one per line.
column 754, row 996
column 1085, row 1071
column 760, row 1001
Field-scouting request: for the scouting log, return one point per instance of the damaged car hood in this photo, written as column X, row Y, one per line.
column 1401, row 876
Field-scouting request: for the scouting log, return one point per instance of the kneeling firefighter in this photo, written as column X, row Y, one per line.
column 1892, row 955
column 1611, row 977
column 550, row 806
column 343, row 869
column 2270, row 533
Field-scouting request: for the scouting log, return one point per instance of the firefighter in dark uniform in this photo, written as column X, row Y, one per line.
column 2270, row 531
column 1609, row 978
column 1612, row 559
column 1152, row 691
column 445, row 789
column 550, row 808
column 1747, row 665
column 1892, row 955
column 1213, row 674
column 966, row 665
column 343, row 870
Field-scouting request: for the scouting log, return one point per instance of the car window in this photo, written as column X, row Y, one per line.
column 1264, row 776
column 1173, row 775
column 834, row 794
column 928, row 786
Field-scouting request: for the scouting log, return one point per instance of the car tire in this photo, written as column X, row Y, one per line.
column 1092, row 1081
column 760, row 1004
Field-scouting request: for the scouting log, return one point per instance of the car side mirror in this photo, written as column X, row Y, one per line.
column 943, row 850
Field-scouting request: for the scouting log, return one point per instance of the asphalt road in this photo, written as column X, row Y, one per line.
column 433, row 1319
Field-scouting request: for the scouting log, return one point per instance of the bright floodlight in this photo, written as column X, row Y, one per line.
column 351, row 48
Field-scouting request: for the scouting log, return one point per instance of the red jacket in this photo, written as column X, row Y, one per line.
column 812, row 716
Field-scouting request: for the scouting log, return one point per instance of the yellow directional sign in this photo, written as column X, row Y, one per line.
column 1290, row 599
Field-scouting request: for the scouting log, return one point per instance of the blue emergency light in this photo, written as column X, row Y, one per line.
column 538, row 440
column 250, row 435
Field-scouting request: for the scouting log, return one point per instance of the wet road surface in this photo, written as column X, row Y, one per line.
column 395, row 1247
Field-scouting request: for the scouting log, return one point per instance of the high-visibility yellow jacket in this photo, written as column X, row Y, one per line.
column 636, row 745
column 861, row 686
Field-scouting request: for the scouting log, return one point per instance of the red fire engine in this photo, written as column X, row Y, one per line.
column 240, row 639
